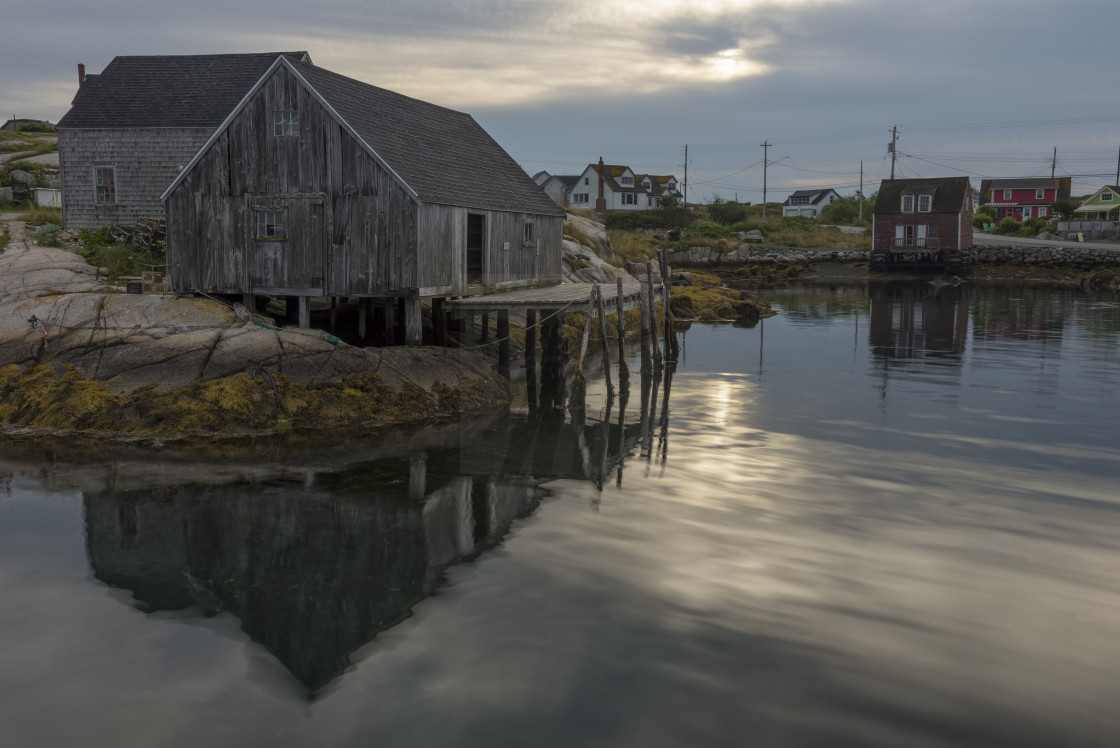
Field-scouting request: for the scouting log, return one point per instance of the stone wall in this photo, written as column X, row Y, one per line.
column 1086, row 258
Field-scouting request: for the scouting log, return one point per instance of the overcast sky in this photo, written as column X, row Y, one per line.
column 987, row 88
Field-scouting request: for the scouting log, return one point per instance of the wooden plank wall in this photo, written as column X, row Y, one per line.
column 351, row 226
column 507, row 263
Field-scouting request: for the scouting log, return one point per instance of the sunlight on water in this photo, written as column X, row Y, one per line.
column 887, row 516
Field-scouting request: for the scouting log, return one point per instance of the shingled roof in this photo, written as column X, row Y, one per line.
column 168, row 90
column 948, row 193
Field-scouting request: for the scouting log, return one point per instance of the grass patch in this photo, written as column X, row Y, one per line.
column 43, row 214
column 576, row 234
column 100, row 250
column 4, row 236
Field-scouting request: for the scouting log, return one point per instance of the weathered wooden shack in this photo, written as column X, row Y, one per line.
column 318, row 185
column 131, row 128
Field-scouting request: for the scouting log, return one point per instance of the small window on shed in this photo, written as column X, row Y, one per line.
column 105, row 182
column 529, row 234
column 285, row 123
column 907, row 203
column 925, row 203
column 271, row 225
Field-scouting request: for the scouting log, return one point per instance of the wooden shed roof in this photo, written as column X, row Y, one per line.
column 167, row 90
column 442, row 156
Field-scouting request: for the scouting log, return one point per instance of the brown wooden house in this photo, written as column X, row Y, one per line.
column 320, row 185
column 923, row 224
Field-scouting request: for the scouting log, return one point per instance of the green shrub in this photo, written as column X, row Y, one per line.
column 1033, row 227
column 1008, row 226
column 727, row 212
column 635, row 220
column 34, row 127
column 708, row 229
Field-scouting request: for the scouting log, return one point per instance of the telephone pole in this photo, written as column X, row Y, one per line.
column 1054, row 162
column 861, row 191
column 894, row 148
column 765, row 152
column 685, row 175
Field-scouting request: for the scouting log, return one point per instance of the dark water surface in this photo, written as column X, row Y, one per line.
column 887, row 517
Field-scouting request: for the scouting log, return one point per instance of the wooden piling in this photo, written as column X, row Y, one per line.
column 601, row 312
column 531, row 356
column 643, row 307
column 623, row 369
column 503, row 342
column 363, row 314
column 439, row 322
column 413, row 324
column 653, row 317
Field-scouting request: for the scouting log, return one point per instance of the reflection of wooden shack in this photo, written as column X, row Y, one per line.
column 923, row 224
column 917, row 321
column 314, row 570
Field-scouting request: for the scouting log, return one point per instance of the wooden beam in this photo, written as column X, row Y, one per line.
column 503, row 343
column 413, row 323
column 305, row 312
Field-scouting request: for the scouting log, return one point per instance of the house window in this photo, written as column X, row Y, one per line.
column 1039, row 194
column 907, row 203
column 629, row 198
column 586, row 181
column 529, row 234
column 271, row 225
column 1007, row 194
column 285, row 123
column 628, row 181
column 931, row 230
column 1042, row 211
column 1026, row 212
column 1106, row 197
column 105, row 182
column 579, row 198
column 925, row 203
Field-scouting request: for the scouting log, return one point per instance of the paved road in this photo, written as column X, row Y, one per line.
column 997, row 240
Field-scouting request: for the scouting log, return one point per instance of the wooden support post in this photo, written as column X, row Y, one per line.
column 531, row 356
column 334, row 312
column 249, row 301
column 413, row 323
column 503, row 342
column 484, row 338
column 653, row 316
column 623, row 369
column 391, row 321
column 671, row 347
column 643, row 307
column 305, row 312
column 439, row 323
column 600, row 310
column 363, row 314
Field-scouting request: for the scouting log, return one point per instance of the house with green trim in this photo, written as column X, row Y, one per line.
column 1102, row 205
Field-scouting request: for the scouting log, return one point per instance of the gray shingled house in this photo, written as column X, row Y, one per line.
column 320, row 185
column 131, row 128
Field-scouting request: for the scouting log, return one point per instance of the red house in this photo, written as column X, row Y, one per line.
column 922, row 224
column 1022, row 199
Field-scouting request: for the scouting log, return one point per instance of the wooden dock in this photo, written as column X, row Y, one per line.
column 575, row 296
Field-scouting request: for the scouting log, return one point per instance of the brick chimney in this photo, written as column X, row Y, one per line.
column 601, row 201
column 81, row 73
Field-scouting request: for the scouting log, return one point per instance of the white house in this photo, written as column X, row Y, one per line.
column 808, row 203
column 558, row 187
column 621, row 188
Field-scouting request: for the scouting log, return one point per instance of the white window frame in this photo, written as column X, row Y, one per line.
column 907, row 203
column 1007, row 194
column 1042, row 211
column 100, row 185
column 1040, row 194
column 925, row 203
column 1106, row 197
column 1026, row 212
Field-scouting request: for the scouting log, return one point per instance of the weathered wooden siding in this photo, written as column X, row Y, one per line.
column 351, row 228
column 506, row 262
column 145, row 162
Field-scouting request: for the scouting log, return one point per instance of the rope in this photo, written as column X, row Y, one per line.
column 538, row 323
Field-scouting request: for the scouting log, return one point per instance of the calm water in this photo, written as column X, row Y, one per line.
column 885, row 517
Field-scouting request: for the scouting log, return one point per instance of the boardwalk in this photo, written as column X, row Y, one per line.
column 565, row 295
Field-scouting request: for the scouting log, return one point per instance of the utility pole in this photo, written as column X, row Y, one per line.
column 894, row 148
column 765, row 151
column 685, row 191
column 1054, row 162
column 861, row 191
column 1117, row 169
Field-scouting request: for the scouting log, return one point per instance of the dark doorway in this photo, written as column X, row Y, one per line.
column 476, row 240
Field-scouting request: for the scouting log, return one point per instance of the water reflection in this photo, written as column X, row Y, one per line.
column 314, row 566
